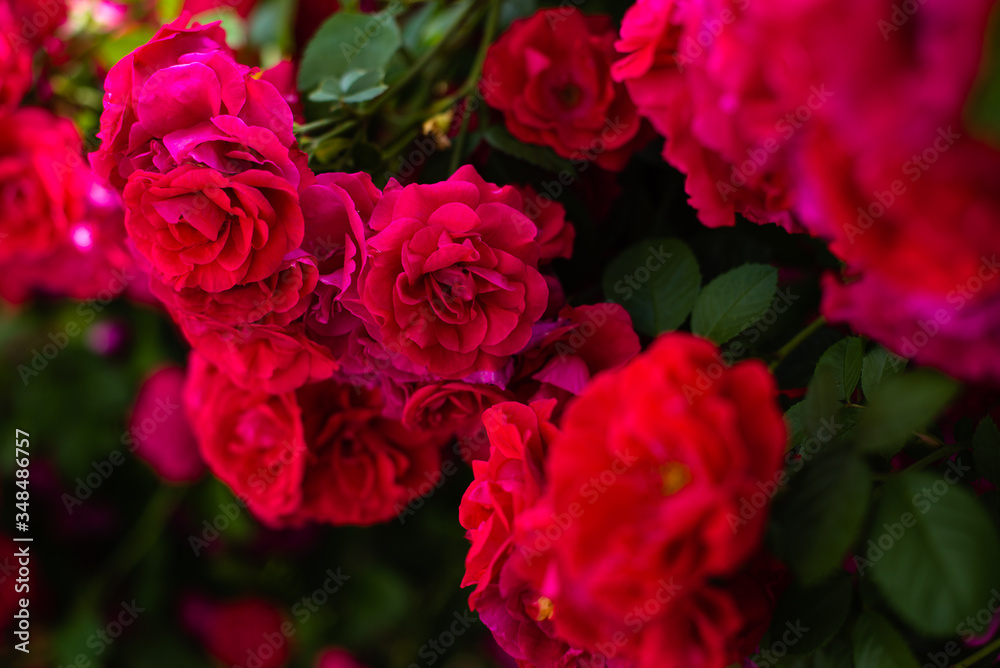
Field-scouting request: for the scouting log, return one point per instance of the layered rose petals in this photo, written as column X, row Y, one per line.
column 550, row 74
column 200, row 228
column 453, row 280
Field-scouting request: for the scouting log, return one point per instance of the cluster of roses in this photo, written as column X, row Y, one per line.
column 617, row 538
column 870, row 147
column 342, row 334
column 61, row 230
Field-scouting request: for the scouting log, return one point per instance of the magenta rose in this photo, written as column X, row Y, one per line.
column 15, row 63
column 201, row 228
column 337, row 209
column 555, row 234
column 453, row 280
column 179, row 80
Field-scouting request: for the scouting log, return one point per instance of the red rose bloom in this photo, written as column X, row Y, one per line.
column 653, row 465
column 200, row 228
column 550, row 74
column 505, row 486
column 453, row 280
column 323, row 453
column 452, row 407
column 43, row 183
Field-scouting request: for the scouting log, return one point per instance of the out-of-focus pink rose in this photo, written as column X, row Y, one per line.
column 160, row 433
column 337, row 658
column 15, row 63
column 44, row 182
column 232, row 631
column 283, row 77
column 722, row 119
column 241, row 7
column 453, row 282
column 88, row 259
column 35, row 20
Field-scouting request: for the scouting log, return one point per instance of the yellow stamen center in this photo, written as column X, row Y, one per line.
column 675, row 476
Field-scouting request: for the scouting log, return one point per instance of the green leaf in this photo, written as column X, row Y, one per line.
column 430, row 24
column 845, row 358
column 542, row 156
column 877, row 644
column 820, row 404
column 734, row 301
column 878, row 365
column 932, row 552
column 822, row 513
column 346, row 42
column 354, row 86
column 902, row 405
column 657, row 282
column 986, row 449
column 819, row 611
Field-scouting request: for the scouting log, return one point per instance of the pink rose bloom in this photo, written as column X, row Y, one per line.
column 89, row 259
column 337, row 209
column 337, row 658
column 180, row 81
column 453, row 281
column 35, row 21
column 201, row 228
column 717, row 109
column 160, row 432
column 15, row 63
column 43, row 182
column 451, row 407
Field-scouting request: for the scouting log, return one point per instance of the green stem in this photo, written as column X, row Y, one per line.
column 419, row 66
column 936, row 456
column 473, row 80
column 984, row 652
column 787, row 349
